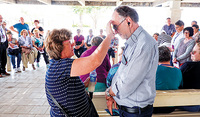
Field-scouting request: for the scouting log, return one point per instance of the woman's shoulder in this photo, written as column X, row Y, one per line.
column 66, row 61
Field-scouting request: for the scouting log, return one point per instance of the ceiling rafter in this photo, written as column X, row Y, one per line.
column 48, row 2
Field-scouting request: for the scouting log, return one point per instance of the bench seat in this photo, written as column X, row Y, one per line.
column 164, row 98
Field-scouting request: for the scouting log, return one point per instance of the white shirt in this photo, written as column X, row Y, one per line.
column 2, row 34
column 176, row 38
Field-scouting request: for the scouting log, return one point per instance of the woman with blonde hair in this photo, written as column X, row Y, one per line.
column 38, row 43
column 27, row 51
column 62, row 77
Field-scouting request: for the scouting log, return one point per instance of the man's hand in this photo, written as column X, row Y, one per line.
column 110, row 102
column 175, row 60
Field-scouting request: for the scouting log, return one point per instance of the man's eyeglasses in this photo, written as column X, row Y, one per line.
column 115, row 27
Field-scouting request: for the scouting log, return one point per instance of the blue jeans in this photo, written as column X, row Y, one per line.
column 146, row 113
column 190, row 108
column 13, row 60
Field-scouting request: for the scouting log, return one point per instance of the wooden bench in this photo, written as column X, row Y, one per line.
column 164, row 98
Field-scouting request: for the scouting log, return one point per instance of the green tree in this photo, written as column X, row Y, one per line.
column 93, row 11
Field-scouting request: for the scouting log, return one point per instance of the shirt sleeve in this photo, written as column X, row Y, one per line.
column 135, row 73
column 32, row 30
column 41, row 29
column 176, row 49
column 15, row 26
column 173, row 29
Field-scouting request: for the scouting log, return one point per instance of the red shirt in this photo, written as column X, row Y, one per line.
column 79, row 39
column 102, row 70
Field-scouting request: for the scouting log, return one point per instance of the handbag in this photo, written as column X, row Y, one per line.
column 92, row 112
column 13, row 51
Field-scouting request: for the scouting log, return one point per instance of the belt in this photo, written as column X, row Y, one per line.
column 135, row 109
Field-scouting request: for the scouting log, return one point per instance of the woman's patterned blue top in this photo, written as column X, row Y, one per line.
column 68, row 91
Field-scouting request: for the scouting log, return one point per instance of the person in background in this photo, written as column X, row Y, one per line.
column 113, row 47
column 164, row 39
column 4, row 24
column 193, row 23
column 63, row 73
column 8, row 65
column 79, row 44
column 102, row 70
column 185, row 45
column 167, row 77
column 20, row 26
column 133, row 85
column 155, row 36
column 41, row 30
column 179, row 26
column 196, row 32
column 89, row 39
column 101, row 34
column 190, row 71
column 14, row 45
column 3, row 47
column 169, row 28
column 27, row 51
column 38, row 43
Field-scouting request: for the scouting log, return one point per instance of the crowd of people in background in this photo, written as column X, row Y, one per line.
column 179, row 52
column 178, row 46
column 29, row 45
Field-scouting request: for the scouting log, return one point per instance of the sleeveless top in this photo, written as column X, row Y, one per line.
column 68, row 91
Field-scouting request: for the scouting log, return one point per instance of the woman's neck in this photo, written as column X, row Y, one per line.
column 167, row 63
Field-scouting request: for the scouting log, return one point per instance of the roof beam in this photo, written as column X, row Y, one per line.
column 159, row 2
column 119, row 2
column 8, row 1
column 82, row 2
column 48, row 2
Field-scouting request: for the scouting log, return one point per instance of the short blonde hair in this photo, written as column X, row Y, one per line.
column 24, row 30
column 35, row 30
column 54, row 42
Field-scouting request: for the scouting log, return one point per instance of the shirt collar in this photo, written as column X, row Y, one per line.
column 134, row 37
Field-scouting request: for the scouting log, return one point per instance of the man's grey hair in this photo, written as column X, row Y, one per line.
column 126, row 11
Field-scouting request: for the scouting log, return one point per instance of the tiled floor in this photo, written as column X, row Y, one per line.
column 23, row 95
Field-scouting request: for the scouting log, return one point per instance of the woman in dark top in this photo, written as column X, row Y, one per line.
column 191, row 77
column 62, row 76
column 41, row 30
column 79, row 43
column 185, row 45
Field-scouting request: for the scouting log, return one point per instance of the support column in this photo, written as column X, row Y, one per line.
column 175, row 11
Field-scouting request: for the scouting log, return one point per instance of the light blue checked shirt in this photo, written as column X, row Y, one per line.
column 134, row 82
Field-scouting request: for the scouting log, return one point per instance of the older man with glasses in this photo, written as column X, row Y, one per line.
column 133, row 86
